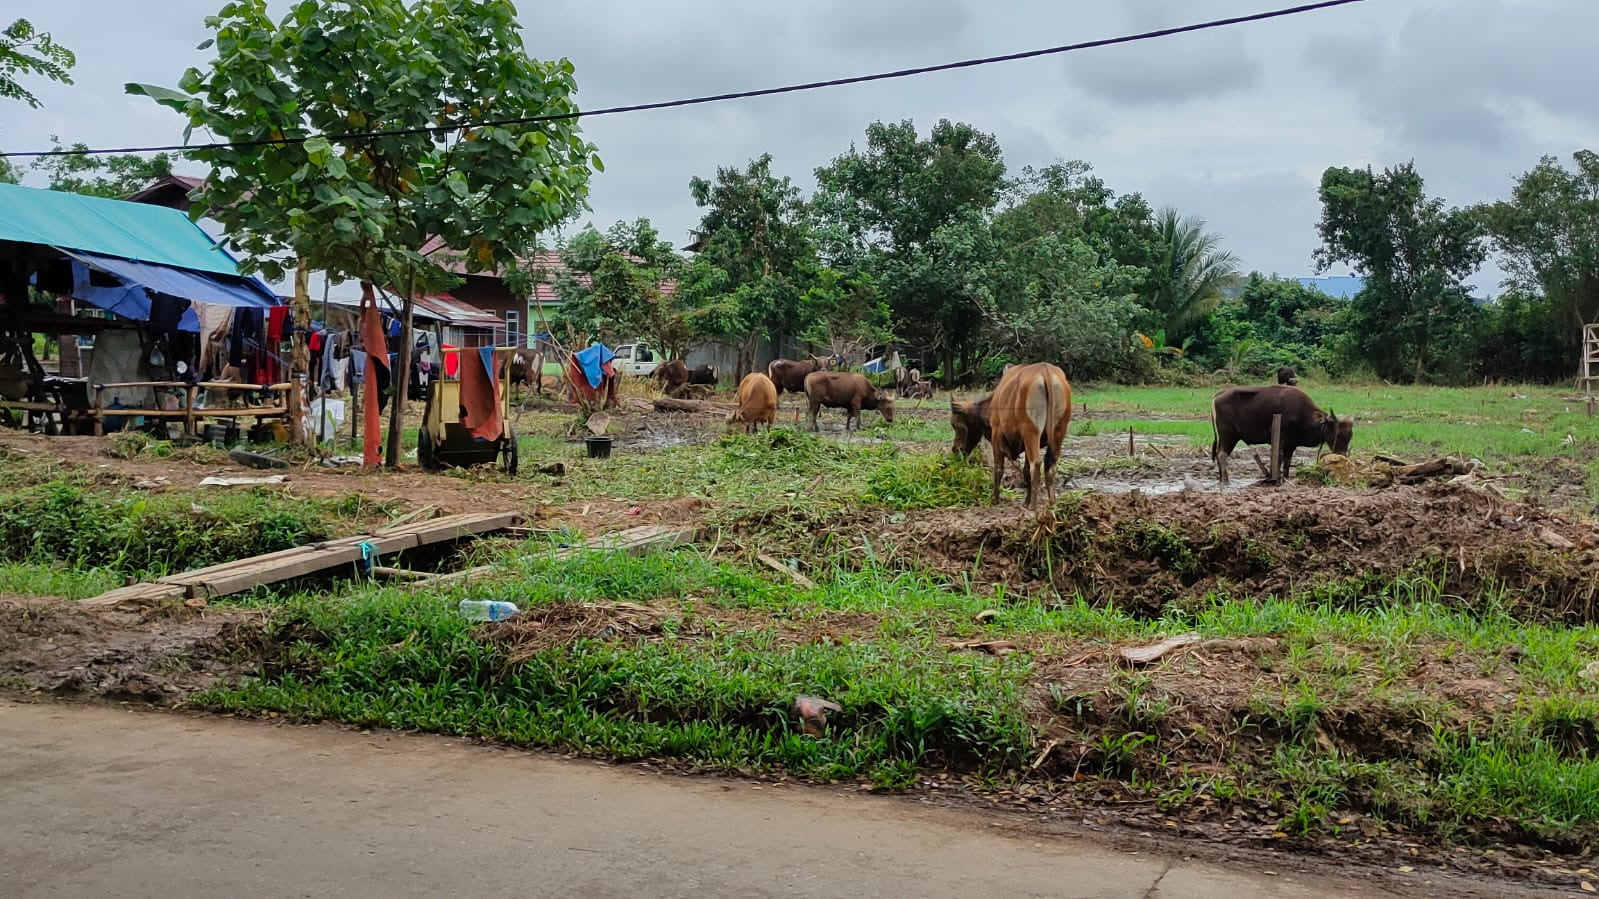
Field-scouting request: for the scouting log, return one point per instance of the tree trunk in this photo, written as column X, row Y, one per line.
column 401, row 379
column 300, row 357
column 1421, row 359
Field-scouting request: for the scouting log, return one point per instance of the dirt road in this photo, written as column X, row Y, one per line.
column 100, row 801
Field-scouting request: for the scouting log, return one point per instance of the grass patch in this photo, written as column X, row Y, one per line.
column 32, row 579
column 145, row 535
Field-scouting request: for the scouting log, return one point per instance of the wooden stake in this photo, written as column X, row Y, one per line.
column 1276, row 448
column 1131, row 450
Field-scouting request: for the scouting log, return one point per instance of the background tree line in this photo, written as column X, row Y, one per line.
column 926, row 244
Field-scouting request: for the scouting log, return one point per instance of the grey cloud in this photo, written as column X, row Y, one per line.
column 891, row 25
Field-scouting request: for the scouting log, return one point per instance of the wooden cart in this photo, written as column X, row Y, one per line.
column 443, row 441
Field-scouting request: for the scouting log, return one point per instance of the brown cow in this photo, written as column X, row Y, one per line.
column 1243, row 414
column 970, row 422
column 848, row 391
column 757, row 403
column 1287, row 375
column 789, row 375
column 1028, row 414
column 672, row 375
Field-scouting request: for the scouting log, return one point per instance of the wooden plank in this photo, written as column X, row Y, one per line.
column 1276, row 449
column 137, row 593
column 633, row 541
column 799, row 580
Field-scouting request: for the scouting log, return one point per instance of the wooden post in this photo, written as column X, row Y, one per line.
column 1276, row 448
column 189, row 420
column 1130, row 449
column 300, row 354
column 99, row 411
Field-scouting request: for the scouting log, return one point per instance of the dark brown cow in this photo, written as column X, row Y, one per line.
column 848, row 391
column 703, row 374
column 757, row 403
column 1243, row 415
column 672, row 375
column 789, row 375
column 1287, row 375
column 1028, row 415
column 970, row 422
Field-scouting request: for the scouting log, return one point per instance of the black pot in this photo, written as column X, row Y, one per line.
column 599, row 446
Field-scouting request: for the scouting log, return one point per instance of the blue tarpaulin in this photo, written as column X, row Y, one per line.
column 197, row 287
column 590, row 361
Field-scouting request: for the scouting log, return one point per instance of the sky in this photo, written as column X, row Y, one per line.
column 1234, row 126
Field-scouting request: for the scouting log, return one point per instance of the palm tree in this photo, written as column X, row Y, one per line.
column 1189, row 273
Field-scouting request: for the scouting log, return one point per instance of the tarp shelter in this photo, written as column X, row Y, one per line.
column 143, row 249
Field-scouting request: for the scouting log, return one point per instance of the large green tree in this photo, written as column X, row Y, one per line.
column 1548, row 235
column 914, row 213
column 1415, row 255
column 114, row 176
column 27, row 51
column 621, row 286
column 1188, row 273
column 758, row 257
column 361, row 186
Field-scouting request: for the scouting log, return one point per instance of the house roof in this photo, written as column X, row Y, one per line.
column 179, row 184
column 137, row 231
column 438, row 308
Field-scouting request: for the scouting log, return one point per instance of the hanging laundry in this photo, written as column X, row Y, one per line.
column 374, row 344
column 480, row 394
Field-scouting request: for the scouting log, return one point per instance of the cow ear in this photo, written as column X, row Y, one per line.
column 1319, row 417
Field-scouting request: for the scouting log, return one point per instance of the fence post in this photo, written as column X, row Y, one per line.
column 1130, row 450
column 1276, row 448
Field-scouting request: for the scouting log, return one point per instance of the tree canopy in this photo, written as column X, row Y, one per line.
column 26, row 51
column 356, row 144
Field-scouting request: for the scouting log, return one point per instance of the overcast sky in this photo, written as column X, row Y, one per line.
column 1234, row 125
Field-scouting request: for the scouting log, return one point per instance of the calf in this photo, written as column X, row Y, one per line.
column 970, row 422
column 1028, row 415
column 1243, row 415
column 849, row 391
column 757, row 403
column 672, row 375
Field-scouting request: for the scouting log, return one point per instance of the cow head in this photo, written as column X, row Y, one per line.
column 885, row 405
column 1336, row 432
column 1287, row 375
column 969, row 425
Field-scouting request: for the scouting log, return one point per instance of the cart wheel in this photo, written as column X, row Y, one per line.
column 424, row 450
column 511, row 453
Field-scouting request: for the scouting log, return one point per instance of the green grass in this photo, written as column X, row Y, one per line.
column 91, row 526
column 715, row 689
column 32, row 579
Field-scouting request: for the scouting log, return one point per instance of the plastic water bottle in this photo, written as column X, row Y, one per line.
column 488, row 609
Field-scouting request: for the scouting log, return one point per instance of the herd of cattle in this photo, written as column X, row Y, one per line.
column 1026, row 416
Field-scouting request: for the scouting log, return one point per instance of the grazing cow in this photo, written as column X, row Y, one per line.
column 704, row 374
column 1287, row 375
column 672, row 375
column 970, row 421
column 1028, row 415
column 789, row 375
column 1243, row 415
column 849, row 391
column 757, row 403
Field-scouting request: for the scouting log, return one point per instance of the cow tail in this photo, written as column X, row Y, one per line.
column 1049, row 452
column 1215, row 431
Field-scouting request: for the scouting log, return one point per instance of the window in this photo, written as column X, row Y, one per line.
column 513, row 327
column 644, row 354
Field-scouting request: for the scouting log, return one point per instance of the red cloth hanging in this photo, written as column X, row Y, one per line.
column 452, row 361
column 480, row 394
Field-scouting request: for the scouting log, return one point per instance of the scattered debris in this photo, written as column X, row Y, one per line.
column 244, row 481
column 800, row 580
column 992, row 647
column 1555, row 540
column 1143, row 655
column 812, row 712
column 986, row 616
column 256, row 460
column 598, row 422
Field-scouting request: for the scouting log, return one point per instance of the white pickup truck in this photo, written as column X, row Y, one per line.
column 636, row 359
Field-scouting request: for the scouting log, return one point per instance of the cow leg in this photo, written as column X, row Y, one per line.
column 1034, row 464
column 1287, row 459
column 1221, row 456
column 814, row 407
column 999, row 471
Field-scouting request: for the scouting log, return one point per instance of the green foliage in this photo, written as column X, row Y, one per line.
column 113, row 176
column 24, row 51
column 915, row 212
column 847, row 313
column 142, row 534
column 621, row 285
column 1188, row 273
column 360, row 207
column 1548, row 237
column 1415, row 255
column 1273, row 322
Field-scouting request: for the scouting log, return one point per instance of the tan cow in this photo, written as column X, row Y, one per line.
column 757, row 403
column 1028, row 416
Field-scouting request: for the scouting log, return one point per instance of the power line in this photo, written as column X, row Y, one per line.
column 717, row 98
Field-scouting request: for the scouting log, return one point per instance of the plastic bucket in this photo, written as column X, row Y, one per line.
column 599, row 446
